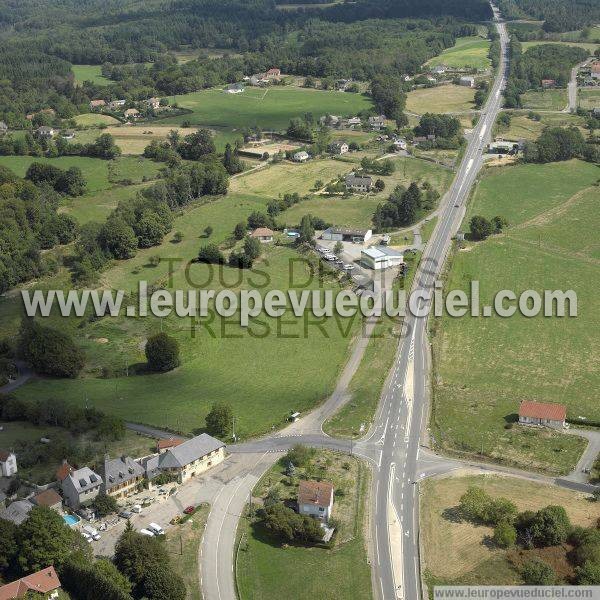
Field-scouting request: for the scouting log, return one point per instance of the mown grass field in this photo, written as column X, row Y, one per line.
column 267, row 570
column 133, row 139
column 486, row 366
column 589, row 46
column 89, row 119
column 522, row 127
column 219, row 359
column 457, row 552
column 91, row 73
column 440, row 99
column 588, row 98
column 270, row 108
column 467, row 52
column 545, row 99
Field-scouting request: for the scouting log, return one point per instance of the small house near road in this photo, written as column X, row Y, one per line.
column 121, row 476
column 548, row 84
column 467, row 81
column 344, row 234
column 153, row 103
column 49, row 498
column 315, row 499
column 358, row 183
column 381, row 257
column 132, row 113
column 273, row 73
column 8, row 463
column 301, row 156
column 377, row 122
column 263, row 234
column 338, row 147
column 352, row 122
column 81, row 485
column 234, row 88
column 595, row 70
column 44, row 131
column 193, row 457
column 439, row 69
column 546, row 414
column 114, row 104
column 42, row 584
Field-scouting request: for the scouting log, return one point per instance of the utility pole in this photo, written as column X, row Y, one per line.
column 233, row 427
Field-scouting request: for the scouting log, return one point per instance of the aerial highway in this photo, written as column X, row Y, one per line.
column 393, row 443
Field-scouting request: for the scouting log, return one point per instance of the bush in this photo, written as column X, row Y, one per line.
column 162, row 353
column 299, row 455
column 104, row 505
column 291, row 526
column 211, row 254
column 219, row 420
column 538, row 572
column 505, row 535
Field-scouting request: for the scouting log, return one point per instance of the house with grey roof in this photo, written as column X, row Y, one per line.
column 193, row 457
column 358, row 183
column 121, row 476
column 377, row 122
column 80, row 486
column 3, row 127
column 17, row 511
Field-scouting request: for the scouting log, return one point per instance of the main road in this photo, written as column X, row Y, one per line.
column 393, row 443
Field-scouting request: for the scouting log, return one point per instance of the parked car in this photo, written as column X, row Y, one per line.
column 136, row 508
column 348, row 267
column 188, row 510
column 146, row 532
column 156, row 529
column 87, row 536
column 126, row 514
column 92, row 532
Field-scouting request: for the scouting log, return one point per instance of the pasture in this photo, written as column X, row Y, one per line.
column 457, row 552
column 94, row 119
column 522, row 127
column 440, row 99
column 486, row 365
column 545, row 99
column 589, row 46
column 91, row 73
column 588, row 98
column 468, row 52
column 270, row 108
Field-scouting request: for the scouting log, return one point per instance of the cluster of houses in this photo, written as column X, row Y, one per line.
column 375, row 123
column 117, row 477
column 263, row 79
column 131, row 114
column 589, row 74
column 440, row 71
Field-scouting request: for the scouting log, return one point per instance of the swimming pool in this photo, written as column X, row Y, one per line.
column 71, row 520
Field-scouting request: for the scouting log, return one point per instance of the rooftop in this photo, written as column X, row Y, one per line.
column 543, row 410
column 4, row 454
column 120, row 470
column 42, row 582
column 348, row 231
column 17, row 512
column 318, row 493
column 189, row 451
column 262, row 232
column 170, row 443
column 47, row 498
column 381, row 252
column 84, row 479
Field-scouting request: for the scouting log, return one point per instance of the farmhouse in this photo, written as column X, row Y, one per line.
column 8, row 463
column 193, row 457
column 352, row 122
column 272, row 74
column 467, row 81
column 81, row 485
column 439, row 69
column 344, row 234
column 132, row 113
column 399, row 144
column 48, row 498
column 381, row 257
column 42, row 584
column 545, row 414
column 97, row 104
column 377, row 122
column 358, row 183
column 315, row 499
column 114, row 104
column 300, row 157
column 164, row 445
column 44, row 131
column 3, row 127
column 338, row 147
column 595, row 70
column 153, row 103
column 234, row 88
column 548, row 83
column 17, row 512
column 502, row 147
column 121, row 476
column 263, row 235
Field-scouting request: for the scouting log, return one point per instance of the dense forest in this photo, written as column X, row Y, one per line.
column 558, row 15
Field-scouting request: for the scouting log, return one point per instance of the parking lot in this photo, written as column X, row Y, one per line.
column 165, row 506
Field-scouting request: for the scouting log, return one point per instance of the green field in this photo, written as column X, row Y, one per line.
column 590, row 46
column 218, row 358
column 522, row 127
column 588, row 98
column 440, row 99
column 268, row 570
column 270, row 108
column 467, row 52
column 545, row 99
column 89, row 119
column 91, row 73
column 486, row 366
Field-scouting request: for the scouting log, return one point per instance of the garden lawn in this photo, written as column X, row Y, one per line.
column 440, row 99
column 467, row 52
column 268, row 570
column 457, row 552
column 355, row 211
column 89, row 119
column 545, row 99
column 91, row 73
column 270, row 108
column 486, row 366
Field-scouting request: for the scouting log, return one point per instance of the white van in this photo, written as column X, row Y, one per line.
column 92, row 532
column 156, row 529
column 146, row 532
column 136, row 508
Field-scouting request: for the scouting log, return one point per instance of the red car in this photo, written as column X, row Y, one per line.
column 189, row 510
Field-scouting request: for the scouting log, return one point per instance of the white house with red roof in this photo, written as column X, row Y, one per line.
column 546, row 414
column 315, row 499
column 45, row 582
